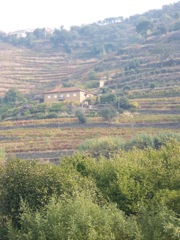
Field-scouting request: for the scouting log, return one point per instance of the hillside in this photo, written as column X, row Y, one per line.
column 31, row 71
column 115, row 51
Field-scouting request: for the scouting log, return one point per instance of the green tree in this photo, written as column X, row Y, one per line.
column 81, row 117
column 108, row 98
column 77, row 218
column 35, row 183
column 12, row 95
column 124, row 103
column 40, row 33
column 143, row 27
column 108, row 114
column 61, row 36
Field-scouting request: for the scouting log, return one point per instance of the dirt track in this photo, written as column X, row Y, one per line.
column 171, row 125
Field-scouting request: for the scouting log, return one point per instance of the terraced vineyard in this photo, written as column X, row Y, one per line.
column 141, row 65
column 31, row 71
column 137, row 66
column 49, row 139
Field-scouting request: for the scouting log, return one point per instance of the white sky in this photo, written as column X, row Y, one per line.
column 23, row 14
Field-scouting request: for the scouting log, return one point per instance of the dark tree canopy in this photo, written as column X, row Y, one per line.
column 12, row 96
column 108, row 114
column 143, row 26
column 108, row 98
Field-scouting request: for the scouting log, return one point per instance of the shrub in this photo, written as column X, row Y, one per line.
column 137, row 177
column 78, row 218
column 83, row 197
column 158, row 223
column 143, row 140
column 105, row 146
column 41, row 116
column 125, row 104
column 56, row 107
column 108, row 114
column 81, row 117
column 35, row 183
column 52, row 115
column 94, row 84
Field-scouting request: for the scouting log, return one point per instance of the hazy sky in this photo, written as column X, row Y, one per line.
column 22, row 14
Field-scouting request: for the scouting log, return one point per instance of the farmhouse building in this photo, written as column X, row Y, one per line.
column 72, row 94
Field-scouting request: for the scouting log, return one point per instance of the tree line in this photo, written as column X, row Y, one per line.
column 105, row 36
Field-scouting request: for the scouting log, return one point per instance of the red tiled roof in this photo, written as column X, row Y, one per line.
column 70, row 89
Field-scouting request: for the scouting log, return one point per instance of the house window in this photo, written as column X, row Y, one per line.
column 68, row 95
column 55, row 96
column 62, row 96
column 49, row 96
column 74, row 95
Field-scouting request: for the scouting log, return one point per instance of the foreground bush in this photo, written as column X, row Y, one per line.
column 74, row 219
column 36, row 184
column 134, row 177
column 82, row 219
column 130, row 195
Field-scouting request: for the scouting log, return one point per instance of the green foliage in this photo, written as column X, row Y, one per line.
column 52, row 115
column 131, row 195
column 38, row 108
column 93, row 84
column 108, row 98
column 34, row 184
column 76, row 219
column 92, row 76
column 152, row 85
column 137, row 177
column 81, row 117
column 68, row 84
column 39, row 33
column 105, row 90
column 108, row 114
column 105, row 146
column 12, row 96
column 125, row 104
column 34, row 109
column 144, row 140
column 158, row 223
column 143, row 26
column 2, row 155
